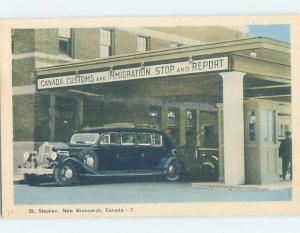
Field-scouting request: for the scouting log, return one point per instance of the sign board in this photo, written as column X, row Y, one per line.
column 163, row 70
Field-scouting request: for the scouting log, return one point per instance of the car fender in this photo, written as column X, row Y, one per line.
column 208, row 163
column 64, row 159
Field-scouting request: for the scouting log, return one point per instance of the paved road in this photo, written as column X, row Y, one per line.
column 138, row 192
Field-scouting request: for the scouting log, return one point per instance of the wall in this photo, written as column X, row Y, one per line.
column 206, row 34
column 86, row 43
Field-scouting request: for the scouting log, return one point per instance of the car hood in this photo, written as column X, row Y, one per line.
column 60, row 145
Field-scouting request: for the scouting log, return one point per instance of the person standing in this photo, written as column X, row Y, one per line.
column 285, row 152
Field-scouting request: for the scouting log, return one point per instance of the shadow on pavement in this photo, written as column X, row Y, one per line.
column 85, row 181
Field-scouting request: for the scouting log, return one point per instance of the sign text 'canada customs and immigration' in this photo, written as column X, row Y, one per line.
column 163, row 70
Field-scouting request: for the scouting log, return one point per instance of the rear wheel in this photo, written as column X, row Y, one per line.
column 90, row 159
column 65, row 174
column 173, row 171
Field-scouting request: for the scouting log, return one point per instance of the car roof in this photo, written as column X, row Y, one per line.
column 118, row 129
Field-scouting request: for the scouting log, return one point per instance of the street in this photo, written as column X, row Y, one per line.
column 138, row 192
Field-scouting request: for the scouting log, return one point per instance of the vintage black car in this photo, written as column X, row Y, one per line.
column 99, row 152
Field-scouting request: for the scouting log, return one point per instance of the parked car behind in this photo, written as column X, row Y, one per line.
column 99, row 152
column 201, row 164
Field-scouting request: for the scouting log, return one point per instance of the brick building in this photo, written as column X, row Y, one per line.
column 37, row 48
column 186, row 104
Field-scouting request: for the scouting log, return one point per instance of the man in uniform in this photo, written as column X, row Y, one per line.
column 285, row 152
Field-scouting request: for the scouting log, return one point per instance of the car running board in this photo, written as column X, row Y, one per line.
column 142, row 173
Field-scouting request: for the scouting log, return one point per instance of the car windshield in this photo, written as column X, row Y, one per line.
column 84, row 138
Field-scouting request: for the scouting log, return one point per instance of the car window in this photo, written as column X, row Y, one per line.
column 128, row 138
column 105, row 139
column 114, row 138
column 156, row 139
column 84, row 138
column 110, row 138
column 144, row 138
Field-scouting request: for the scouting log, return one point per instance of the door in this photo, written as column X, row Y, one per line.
column 129, row 152
column 151, row 150
column 108, row 151
column 144, row 151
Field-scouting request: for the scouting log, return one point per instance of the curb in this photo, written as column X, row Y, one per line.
column 242, row 187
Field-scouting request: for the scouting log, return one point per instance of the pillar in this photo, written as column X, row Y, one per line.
column 164, row 117
column 221, row 146
column 198, row 127
column 182, row 126
column 233, row 128
column 52, row 114
column 78, row 112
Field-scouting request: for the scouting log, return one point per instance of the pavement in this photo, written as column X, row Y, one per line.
column 283, row 184
column 147, row 191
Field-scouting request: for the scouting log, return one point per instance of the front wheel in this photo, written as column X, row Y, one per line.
column 65, row 174
column 209, row 171
column 173, row 171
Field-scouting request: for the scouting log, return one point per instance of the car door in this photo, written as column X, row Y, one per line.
column 144, row 151
column 128, row 152
column 108, row 150
column 158, row 150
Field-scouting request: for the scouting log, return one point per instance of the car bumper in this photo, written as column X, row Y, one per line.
column 36, row 171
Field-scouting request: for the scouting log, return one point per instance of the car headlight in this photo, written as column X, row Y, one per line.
column 53, row 155
column 26, row 156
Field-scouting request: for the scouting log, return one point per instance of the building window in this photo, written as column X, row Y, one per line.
column 283, row 128
column 65, row 41
column 269, row 126
column 251, row 126
column 190, row 118
column 142, row 44
column 172, row 117
column 155, row 116
column 105, row 43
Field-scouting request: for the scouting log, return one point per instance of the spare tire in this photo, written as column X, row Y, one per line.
column 89, row 158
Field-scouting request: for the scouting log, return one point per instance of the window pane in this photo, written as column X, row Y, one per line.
column 128, row 138
column 251, row 125
column 64, row 32
column 65, row 46
column 104, row 139
column 104, row 51
column 190, row 118
column 105, row 37
column 269, row 131
column 141, row 44
column 157, row 139
column 172, row 118
column 114, row 138
column 286, row 128
column 105, row 43
column 155, row 116
column 144, row 138
column 84, row 138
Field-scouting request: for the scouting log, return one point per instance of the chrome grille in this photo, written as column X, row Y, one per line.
column 44, row 152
